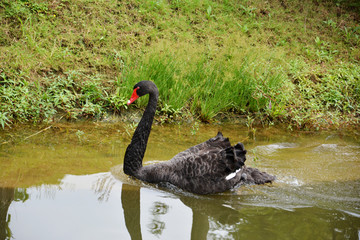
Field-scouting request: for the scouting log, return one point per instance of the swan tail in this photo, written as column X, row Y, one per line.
column 255, row 176
column 235, row 157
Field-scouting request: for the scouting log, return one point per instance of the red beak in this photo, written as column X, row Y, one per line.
column 133, row 97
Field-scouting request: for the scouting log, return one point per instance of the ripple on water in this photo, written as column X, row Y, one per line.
column 271, row 148
column 289, row 180
column 326, row 147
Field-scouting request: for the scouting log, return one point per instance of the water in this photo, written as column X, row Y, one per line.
column 66, row 182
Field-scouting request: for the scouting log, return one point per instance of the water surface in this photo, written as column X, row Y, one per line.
column 66, row 182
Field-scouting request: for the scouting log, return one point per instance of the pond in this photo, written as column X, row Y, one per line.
column 66, row 182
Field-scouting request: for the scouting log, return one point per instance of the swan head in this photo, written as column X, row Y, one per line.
column 142, row 88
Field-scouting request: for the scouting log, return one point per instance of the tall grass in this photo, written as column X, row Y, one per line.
column 204, row 87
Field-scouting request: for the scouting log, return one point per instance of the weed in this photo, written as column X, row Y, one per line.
column 79, row 135
column 195, row 128
column 250, row 11
column 4, row 120
column 330, row 23
column 351, row 35
column 255, row 159
column 244, row 28
column 209, row 14
column 249, row 122
column 129, row 129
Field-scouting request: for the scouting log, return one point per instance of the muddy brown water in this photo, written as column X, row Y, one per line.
column 66, row 182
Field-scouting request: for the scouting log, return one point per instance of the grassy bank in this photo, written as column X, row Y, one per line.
column 276, row 61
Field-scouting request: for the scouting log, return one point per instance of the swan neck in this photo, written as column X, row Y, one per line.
column 136, row 150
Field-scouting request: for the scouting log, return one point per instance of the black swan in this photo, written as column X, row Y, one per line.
column 210, row 167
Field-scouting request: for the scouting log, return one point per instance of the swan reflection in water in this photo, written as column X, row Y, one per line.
column 130, row 201
column 205, row 213
column 131, row 205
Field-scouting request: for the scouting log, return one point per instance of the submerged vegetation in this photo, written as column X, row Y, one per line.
column 274, row 61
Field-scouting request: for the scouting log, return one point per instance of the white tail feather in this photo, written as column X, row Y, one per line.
column 232, row 175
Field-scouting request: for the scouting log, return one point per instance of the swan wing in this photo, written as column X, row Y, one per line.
column 216, row 143
column 214, row 163
column 207, row 170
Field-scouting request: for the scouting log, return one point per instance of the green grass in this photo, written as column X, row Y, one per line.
column 209, row 89
column 277, row 61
